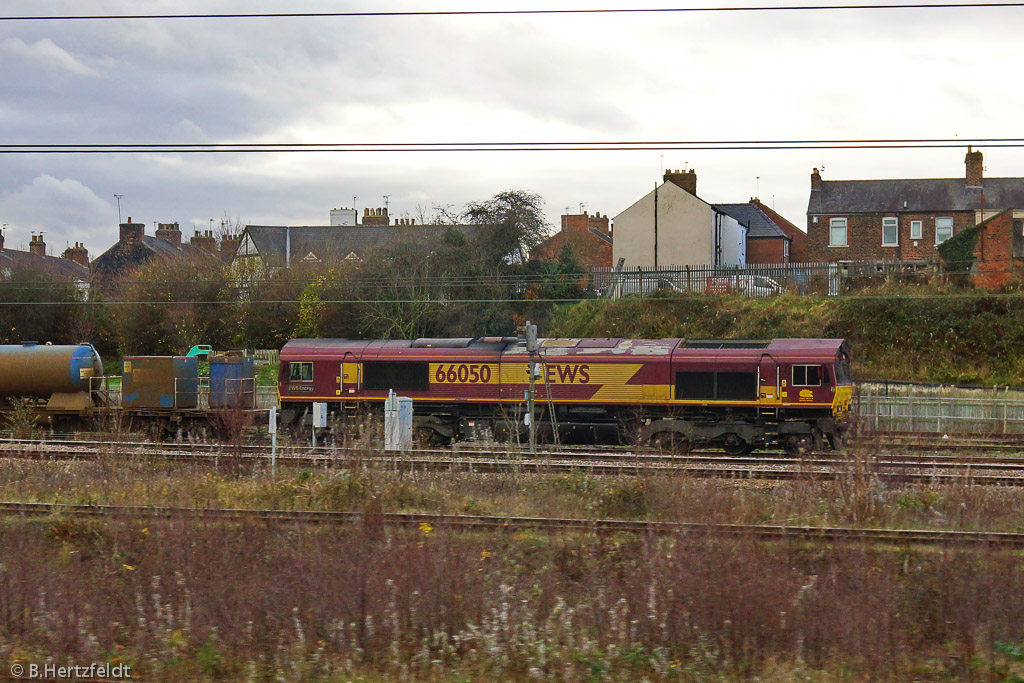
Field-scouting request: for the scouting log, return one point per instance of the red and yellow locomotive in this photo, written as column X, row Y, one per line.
column 677, row 393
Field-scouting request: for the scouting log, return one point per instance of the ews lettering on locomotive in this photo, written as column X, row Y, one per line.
column 569, row 374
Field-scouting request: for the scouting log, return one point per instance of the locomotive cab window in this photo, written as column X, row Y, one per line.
column 382, row 376
column 807, row 375
column 300, row 372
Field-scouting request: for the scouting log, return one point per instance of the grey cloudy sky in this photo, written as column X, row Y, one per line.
column 615, row 77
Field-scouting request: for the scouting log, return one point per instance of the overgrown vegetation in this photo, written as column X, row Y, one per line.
column 958, row 250
column 473, row 279
column 181, row 600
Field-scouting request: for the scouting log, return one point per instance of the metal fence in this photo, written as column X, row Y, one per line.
column 266, row 395
column 941, row 414
column 822, row 279
column 760, row 280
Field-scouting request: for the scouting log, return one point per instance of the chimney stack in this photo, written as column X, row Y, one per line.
column 78, row 253
column 973, row 160
column 131, row 232
column 228, row 246
column 376, row 216
column 815, row 180
column 205, row 240
column 37, row 246
column 684, row 179
column 169, row 232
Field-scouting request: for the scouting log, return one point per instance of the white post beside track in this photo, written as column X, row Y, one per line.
column 272, row 428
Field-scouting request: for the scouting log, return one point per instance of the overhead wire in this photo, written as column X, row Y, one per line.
column 512, row 12
column 536, row 146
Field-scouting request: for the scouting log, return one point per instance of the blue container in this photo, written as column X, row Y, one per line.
column 232, row 382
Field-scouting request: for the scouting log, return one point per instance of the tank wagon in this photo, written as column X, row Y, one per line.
column 61, row 378
column 673, row 393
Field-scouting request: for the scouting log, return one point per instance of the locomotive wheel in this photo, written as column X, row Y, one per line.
column 796, row 446
column 670, row 442
column 734, row 445
column 425, row 436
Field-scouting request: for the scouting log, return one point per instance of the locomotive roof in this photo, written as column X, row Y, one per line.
column 605, row 346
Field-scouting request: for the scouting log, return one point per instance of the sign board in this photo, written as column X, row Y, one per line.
column 272, row 422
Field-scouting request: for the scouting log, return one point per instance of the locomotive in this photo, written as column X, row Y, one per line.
column 675, row 394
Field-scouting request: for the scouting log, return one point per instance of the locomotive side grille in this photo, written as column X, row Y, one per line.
column 725, row 344
column 716, row 386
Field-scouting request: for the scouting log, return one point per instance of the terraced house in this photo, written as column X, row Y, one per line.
column 904, row 219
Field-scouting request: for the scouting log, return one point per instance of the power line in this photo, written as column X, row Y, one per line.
column 377, row 147
column 455, row 13
column 961, row 140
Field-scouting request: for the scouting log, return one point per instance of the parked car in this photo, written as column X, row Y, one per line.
column 751, row 285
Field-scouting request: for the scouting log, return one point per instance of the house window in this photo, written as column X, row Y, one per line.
column 806, row 375
column 916, row 230
column 300, row 372
column 837, row 232
column 943, row 229
column 890, row 232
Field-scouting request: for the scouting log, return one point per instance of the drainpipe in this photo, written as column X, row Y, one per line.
column 287, row 247
column 655, row 225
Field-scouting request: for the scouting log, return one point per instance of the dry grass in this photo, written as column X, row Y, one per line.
column 193, row 600
column 855, row 498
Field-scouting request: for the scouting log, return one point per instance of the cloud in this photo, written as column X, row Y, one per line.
column 66, row 210
column 47, row 53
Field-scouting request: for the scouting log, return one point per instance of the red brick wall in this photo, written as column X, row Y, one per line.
column 864, row 236
column 993, row 253
column 766, row 250
column 589, row 249
column 798, row 245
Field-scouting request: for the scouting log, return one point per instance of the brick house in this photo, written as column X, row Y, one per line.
column 770, row 237
column 852, row 220
column 134, row 248
column 275, row 247
column 672, row 226
column 999, row 251
column 589, row 237
column 72, row 266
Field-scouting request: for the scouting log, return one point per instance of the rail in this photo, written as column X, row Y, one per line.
column 494, row 522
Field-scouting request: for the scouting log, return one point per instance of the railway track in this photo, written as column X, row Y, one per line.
column 498, row 523
column 933, row 469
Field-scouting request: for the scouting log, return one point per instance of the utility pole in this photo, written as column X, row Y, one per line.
column 531, row 393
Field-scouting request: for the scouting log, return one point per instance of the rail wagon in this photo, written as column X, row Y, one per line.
column 673, row 393
column 63, row 387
